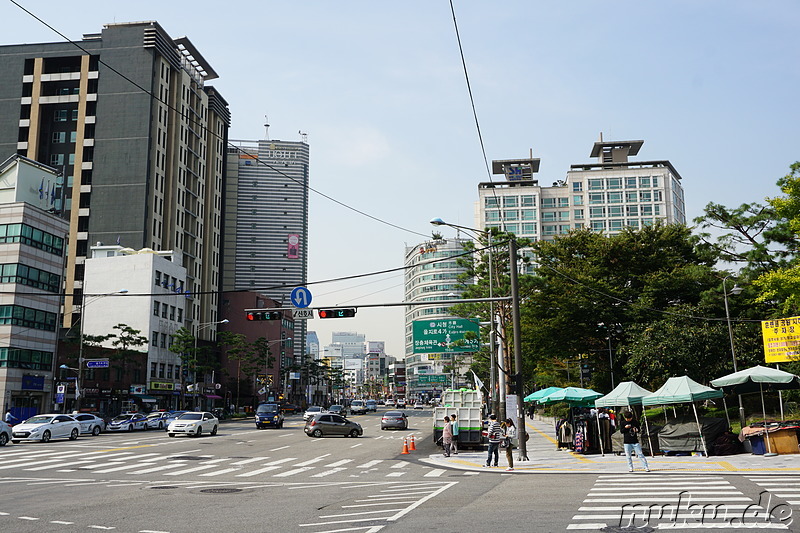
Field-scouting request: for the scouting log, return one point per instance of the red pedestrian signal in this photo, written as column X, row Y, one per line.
column 345, row 312
column 264, row 315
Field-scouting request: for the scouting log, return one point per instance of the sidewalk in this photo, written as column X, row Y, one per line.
column 545, row 458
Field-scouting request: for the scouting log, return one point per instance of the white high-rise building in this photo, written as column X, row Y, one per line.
column 606, row 196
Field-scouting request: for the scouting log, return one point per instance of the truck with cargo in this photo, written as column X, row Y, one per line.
column 466, row 404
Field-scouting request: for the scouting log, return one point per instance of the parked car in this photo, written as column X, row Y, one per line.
column 338, row 410
column 323, row 424
column 90, row 424
column 290, row 408
column 372, row 405
column 394, row 420
column 194, row 423
column 46, row 427
column 5, row 433
column 157, row 420
column 311, row 411
column 268, row 415
column 127, row 422
column 358, row 407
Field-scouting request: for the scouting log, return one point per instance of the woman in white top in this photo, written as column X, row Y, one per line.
column 509, row 433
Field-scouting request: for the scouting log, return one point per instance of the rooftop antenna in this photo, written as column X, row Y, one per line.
column 266, row 127
column 303, row 136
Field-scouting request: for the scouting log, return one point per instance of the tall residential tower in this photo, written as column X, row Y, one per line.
column 127, row 116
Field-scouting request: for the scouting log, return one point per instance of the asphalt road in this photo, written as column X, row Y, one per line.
column 245, row 480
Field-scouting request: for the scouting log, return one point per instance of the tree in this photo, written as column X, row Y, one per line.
column 588, row 287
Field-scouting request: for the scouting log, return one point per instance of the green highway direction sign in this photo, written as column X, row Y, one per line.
column 445, row 335
column 432, row 379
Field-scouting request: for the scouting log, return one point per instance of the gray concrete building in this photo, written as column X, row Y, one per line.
column 139, row 136
column 266, row 221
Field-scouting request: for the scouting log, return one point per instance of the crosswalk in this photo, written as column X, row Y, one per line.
column 673, row 502
column 140, row 463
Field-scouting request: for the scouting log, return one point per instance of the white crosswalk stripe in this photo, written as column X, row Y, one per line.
column 674, row 502
column 132, row 463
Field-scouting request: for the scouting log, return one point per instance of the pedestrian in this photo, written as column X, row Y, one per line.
column 495, row 434
column 447, row 436
column 454, row 429
column 9, row 418
column 630, row 430
column 509, row 433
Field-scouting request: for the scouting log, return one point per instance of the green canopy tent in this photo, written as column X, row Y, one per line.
column 539, row 394
column 574, row 396
column 626, row 394
column 683, row 390
column 758, row 379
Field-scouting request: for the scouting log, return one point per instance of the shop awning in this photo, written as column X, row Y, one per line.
column 212, row 396
column 145, row 398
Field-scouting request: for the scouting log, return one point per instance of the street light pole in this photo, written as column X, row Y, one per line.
column 79, row 381
column 516, row 334
column 734, row 291
column 493, row 363
column 194, row 354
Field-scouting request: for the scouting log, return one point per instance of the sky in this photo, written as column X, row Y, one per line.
column 380, row 91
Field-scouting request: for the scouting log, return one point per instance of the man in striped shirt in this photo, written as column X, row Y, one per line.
column 495, row 435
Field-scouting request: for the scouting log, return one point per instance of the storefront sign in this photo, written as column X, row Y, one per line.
column 32, row 382
column 161, row 385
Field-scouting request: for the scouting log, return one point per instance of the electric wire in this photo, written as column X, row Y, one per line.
column 210, row 132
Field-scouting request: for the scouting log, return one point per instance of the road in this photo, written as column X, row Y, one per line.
column 245, row 480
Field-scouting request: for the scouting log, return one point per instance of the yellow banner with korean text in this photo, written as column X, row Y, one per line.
column 781, row 339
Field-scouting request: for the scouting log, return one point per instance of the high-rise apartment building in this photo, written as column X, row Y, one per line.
column 606, row 196
column 266, row 221
column 431, row 275
column 139, row 136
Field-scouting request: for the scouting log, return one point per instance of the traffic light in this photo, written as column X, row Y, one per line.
column 345, row 312
column 586, row 371
column 264, row 315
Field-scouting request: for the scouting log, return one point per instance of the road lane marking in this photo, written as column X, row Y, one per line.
column 252, row 460
column 189, row 470
column 328, row 472
column 370, row 464
column 157, row 468
column 259, row 471
column 436, row 472
column 312, row 461
column 293, row 472
column 220, row 472
column 340, row 463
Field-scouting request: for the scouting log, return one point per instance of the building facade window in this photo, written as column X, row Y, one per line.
column 27, row 359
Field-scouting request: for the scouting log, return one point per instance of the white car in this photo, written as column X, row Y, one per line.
column 157, row 420
column 5, row 433
column 193, row 423
column 311, row 411
column 42, row 428
column 127, row 422
column 90, row 424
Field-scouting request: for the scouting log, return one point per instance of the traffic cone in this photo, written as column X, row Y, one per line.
column 405, row 447
column 411, row 446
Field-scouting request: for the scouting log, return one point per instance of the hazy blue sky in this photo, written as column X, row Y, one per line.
column 379, row 89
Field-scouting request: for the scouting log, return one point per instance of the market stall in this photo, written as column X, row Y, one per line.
column 683, row 390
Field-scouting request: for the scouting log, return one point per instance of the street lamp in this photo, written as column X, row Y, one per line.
column 493, row 374
column 515, row 326
column 194, row 353
column 736, row 290
column 84, row 303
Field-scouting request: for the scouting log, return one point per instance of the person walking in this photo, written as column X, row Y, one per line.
column 509, row 434
column 454, row 429
column 495, row 434
column 630, row 430
column 9, row 418
column 447, row 436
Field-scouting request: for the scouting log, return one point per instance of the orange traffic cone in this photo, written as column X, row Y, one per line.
column 405, row 447
column 411, row 446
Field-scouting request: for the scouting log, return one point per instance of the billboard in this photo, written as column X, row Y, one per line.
column 781, row 339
